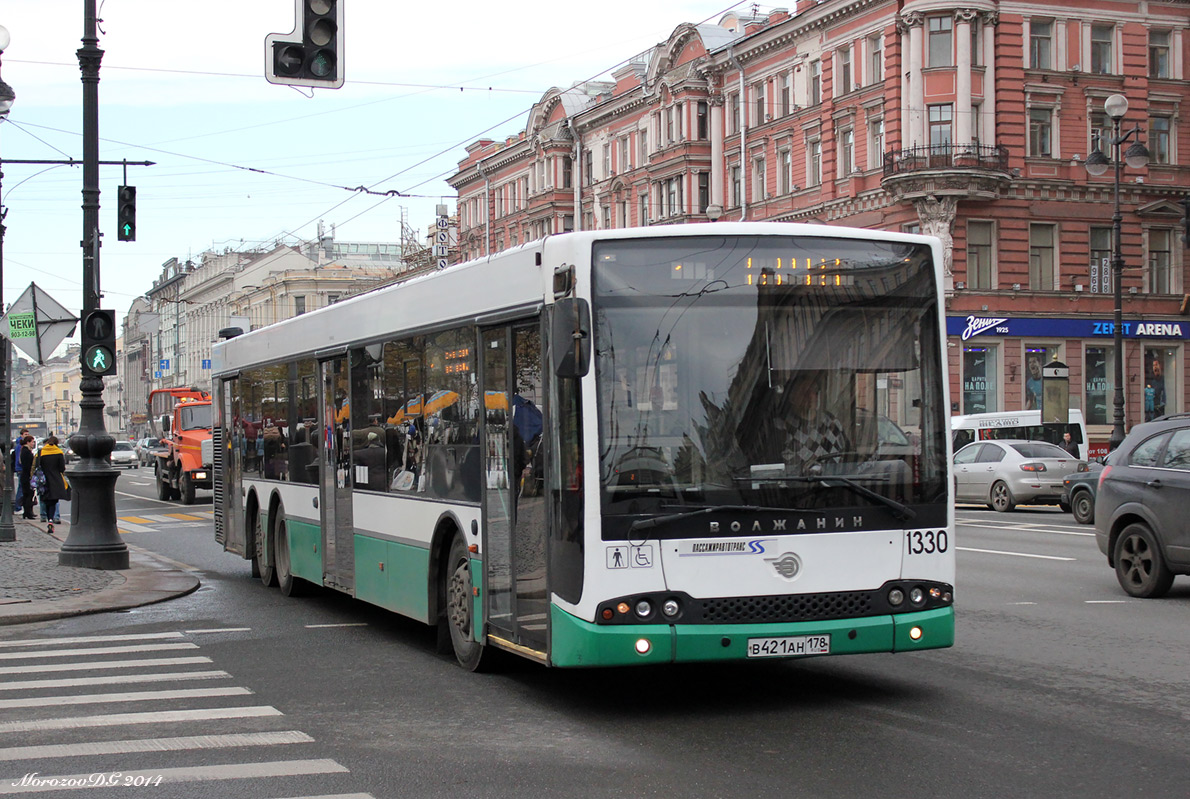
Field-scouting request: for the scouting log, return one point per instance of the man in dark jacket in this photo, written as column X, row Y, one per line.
column 52, row 462
column 25, row 454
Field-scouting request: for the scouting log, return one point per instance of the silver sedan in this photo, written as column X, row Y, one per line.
column 1005, row 473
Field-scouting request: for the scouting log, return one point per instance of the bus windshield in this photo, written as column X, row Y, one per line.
column 778, row 372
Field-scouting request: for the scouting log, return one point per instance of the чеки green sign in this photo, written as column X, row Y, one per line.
column 22, row 325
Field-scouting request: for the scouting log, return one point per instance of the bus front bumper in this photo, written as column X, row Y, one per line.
column 578, row 643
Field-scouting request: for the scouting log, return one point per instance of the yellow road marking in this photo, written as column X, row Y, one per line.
column 185, row 517
column 135, row 520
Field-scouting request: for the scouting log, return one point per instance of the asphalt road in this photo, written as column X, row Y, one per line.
column 1059, row 685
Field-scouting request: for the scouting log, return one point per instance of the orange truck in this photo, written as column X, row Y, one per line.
column 181, row 419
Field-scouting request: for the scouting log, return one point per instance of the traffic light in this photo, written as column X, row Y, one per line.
column 99, row 343
column 126, row 214
column 311, row 54
column 1186, row 221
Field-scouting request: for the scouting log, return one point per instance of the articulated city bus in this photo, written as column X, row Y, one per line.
column 682, row 443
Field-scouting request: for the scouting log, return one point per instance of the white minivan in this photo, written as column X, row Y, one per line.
column 1018, row 425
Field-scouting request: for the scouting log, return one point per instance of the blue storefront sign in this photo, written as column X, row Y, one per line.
column 968, row 327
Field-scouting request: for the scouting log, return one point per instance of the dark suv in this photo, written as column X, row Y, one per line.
column 1140, row 508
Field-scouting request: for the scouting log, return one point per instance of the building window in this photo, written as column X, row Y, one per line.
column 940, row 42
column 1036, row 357
column 567, row 172
column 941, row 124
column 1159, row 261
column 607, row 217
column 299, row 305
column 980, row 388
column 1101, row 133
column 1096, row 367
column 1041, row 257
column 642, row 147
column 785, row 173
column 815, row 82
column 845, row 82
column 736, row 189
column 875, row 59
column 785, row 93
column 702, row 120
column 758, row 94
column 1102, row 38
column 607, row 161
column 846, row 152
column 669, row 125
column 1041, row 36
column 814, row 162
column 1100, row 240
column 1159, row 140
column 1158, row 54
column 759, row 185
column 979, row 255
column 1159, row 361
column 876, row 143
column 588, row 168
column 704, row 191
column 733, row 113
column 625, row 161
column 644, row 209
column 1040, row 132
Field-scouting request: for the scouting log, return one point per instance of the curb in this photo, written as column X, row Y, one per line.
column 147, row 580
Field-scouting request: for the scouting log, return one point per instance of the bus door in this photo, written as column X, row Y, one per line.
column 514, row 503
column 227, row 434
column 338, row 526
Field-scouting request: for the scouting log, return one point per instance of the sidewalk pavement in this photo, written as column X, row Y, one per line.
column 33, row 587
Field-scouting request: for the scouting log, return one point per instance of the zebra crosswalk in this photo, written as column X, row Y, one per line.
column 151, row 522
column 154, row 720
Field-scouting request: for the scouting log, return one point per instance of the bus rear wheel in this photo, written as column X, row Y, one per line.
column 459, row 595
column 263, row 561
column 290, row 585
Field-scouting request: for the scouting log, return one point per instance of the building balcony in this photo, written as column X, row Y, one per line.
column 968, row 171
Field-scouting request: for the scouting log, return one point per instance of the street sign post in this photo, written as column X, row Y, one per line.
column 37, row 323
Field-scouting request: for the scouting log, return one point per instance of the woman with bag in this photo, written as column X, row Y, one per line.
column 25, row 456
column 52, row 462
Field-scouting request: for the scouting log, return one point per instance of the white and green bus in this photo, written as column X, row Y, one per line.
column 667, row 444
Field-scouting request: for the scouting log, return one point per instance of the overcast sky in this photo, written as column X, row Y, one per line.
column 182, row 84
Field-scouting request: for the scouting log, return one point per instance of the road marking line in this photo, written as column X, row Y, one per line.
column 1106, row 601
column 159, row 518
column 97, row 650
column 130, row 696
column 86, row 639
column 149, row 717
column 128, row 527
column 337, row 796
column 234, row 771
column 219, row 630
column 102, row 664
column 133, row 519
column 178, row 744
column 185, row 517
column 1022, row 603
column 1014, row 554
column 113, row 679
column 349, row 624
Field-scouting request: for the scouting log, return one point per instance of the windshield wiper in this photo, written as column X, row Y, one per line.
column 658, row 521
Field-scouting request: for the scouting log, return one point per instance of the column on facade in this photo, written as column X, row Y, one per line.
column 988, row 108
column 936, row 215
column 717, row 108
column 963, row 117
column 914, row 120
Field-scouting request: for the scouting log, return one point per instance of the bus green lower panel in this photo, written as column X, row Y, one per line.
column 393, row 576
column 575, row 642
column 305, row 555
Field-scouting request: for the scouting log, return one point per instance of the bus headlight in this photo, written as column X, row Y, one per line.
column 896, row 597
column 916, row 595
column 644, row 609
column 671, row 607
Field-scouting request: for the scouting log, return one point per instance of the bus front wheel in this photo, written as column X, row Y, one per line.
column 264, row 560
column 459, row 606
column 290, row 585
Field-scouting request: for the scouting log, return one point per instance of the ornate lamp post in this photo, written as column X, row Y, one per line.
column 8, row 532
column 1137, row 157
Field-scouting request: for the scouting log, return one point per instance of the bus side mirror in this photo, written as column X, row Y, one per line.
column 571, row 337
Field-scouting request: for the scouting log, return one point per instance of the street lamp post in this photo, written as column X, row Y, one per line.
column 93, row 541
column 1137, row 157
column 8, row 531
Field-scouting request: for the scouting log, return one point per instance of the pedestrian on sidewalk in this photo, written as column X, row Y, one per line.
column 26, row 455
column 16, row 464
column 52, row 462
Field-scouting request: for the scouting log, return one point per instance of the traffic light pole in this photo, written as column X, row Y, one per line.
column 93, row 541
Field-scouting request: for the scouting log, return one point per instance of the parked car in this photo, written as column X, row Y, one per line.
column 1078, row 493
column 146, row 451
column 1140, row 507
column 125, row 455
column 1007, row 472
